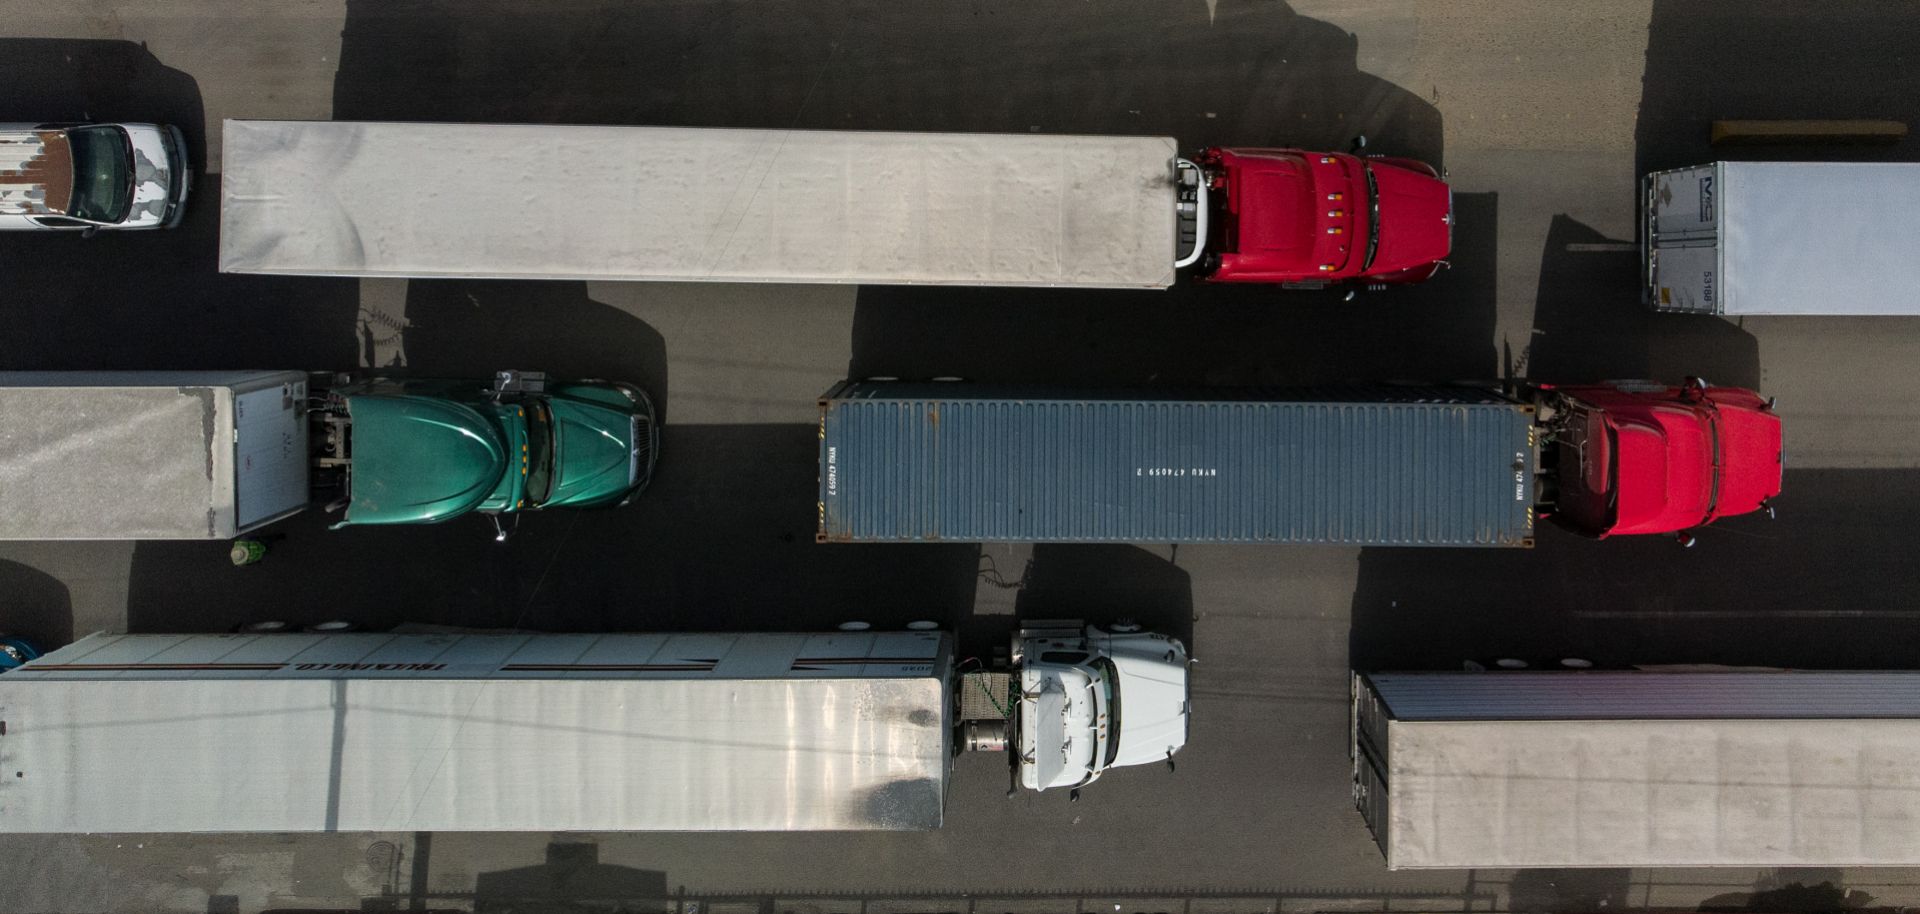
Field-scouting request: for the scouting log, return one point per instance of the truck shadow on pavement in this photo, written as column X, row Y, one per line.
column 1193, row 334
column 1724, row 59
column 36, row 606
column 722, row 540
column 1824, row 586
column 1590, row 325
column 1247, row 72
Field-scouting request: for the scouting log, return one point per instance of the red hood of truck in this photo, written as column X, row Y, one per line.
column 1287, row 214
column 1674, row 458
column 1751, row 453
column 1665, row 460
column 1416, row 220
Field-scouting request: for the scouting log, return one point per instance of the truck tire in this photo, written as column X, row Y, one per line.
column 331, row 627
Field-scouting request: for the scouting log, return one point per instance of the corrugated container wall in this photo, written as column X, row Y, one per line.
column 1639, row 768
column 902, row 462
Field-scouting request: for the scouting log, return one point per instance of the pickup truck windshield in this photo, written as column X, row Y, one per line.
column 102, row 174
column 1110, row 682
column 1373, row 217
column 540, row 441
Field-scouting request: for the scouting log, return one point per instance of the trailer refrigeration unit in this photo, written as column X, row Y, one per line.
column 213, row 455
column 1379, row 466
column 1639, row 768
column 690, row 204
column 631, row 732
column 1752, row 238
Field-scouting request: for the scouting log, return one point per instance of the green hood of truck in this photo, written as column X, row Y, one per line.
column 595, row 457
column 420, row 459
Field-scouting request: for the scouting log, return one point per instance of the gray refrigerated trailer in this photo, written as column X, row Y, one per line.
column 1639, row 768
column 524, row 732
column 150, row 455
column 528, row 201
column 1754, row 238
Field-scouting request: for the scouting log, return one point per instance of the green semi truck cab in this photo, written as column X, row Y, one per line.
column 412, row 451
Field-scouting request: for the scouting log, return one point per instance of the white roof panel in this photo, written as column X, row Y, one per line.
column 659, row 203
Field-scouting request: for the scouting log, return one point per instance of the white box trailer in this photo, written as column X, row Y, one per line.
column 660, row 203
column 1639, row 768
column 150, row 455
column 850, row 730
column 1752, row 238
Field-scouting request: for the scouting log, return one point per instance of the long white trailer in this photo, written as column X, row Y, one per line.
column 150, row 455
column 1639, row 768
column 1750, row 238
column 620, row 732
column 663, row 203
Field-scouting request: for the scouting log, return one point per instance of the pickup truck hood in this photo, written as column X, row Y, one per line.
column 594, row 453
column 1414, row 212
column 420, row 459
column 1153, row 709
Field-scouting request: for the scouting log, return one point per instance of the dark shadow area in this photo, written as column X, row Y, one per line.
column 1193, row 334
column 1744, row 595
column 1252, row 73
column 1554, row 890
column 1711, row 60
column 571, row 881
column 35, row 605
column 1797, row 890
column 1589, row 324
column 1107, row 584
column 723, row 540
column 150, row 299
column 472, row 328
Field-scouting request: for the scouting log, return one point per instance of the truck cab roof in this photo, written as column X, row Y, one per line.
column 421, row 459
column 1638, row 459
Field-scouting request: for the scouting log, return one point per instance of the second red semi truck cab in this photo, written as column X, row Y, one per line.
column 1643, row 457
column 1310, row 219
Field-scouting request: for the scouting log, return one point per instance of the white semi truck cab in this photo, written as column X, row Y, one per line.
column 1094, row 698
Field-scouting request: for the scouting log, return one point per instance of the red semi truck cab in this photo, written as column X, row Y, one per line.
column 1642, row 457
column 1311, row 219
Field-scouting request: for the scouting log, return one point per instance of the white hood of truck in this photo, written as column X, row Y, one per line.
column 152, row 175
column 1153, row 707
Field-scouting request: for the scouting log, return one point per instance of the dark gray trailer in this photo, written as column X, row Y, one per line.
column 918, row 462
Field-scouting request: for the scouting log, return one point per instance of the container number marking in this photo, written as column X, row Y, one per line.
column 833, row 470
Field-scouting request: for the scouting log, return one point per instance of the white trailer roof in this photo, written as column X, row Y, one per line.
column 1802, row 237
column 146, row 733
column 148, row 455
column 584, row 202
column 1524, row 770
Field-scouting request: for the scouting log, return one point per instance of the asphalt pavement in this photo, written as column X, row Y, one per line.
column 1542, row 113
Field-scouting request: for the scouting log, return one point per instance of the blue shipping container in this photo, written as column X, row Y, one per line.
column 907, row 462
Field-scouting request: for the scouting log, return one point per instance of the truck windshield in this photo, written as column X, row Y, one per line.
column 540, row 442
column 1373, row 217
column 1110, row 684
column 102, row 174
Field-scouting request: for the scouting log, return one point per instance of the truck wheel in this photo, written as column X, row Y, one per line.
column 1124, row 627
column 855, row 626
column 923, row 625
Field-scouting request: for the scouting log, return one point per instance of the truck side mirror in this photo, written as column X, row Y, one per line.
column 1170, row 766
column 1359, row 143
column 1073, row 796
column 1685, row 539
column 90, row 231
